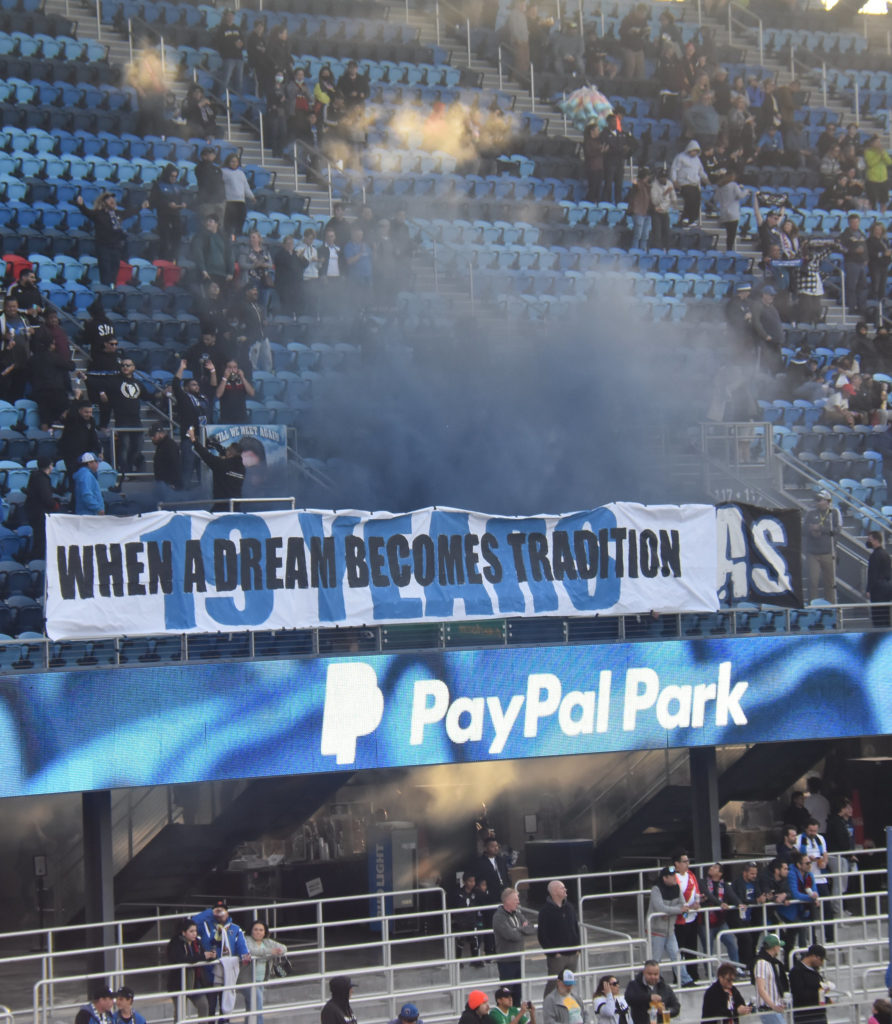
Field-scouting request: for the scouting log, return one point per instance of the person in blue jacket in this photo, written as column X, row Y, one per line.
column 98, row 1010
column 88, row 499
column 220, row 935
column 125, row 1014
column 800, row 905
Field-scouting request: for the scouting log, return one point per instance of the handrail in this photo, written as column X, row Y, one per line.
column 732, row 6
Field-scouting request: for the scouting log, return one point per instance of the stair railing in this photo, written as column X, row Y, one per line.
column 461, row 18
column 754, row 21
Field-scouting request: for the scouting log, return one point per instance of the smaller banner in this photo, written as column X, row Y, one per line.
column 264, row 452
column 759, row 555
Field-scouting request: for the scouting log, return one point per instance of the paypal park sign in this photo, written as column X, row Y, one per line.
column 185, row 723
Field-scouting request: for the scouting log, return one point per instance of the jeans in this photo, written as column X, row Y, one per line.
column 856, row 286
column 255, row 1005
column 509, row 973
column 108, row 261
column 233, row 70
column 640, row 231
column 128, row 449
column 669, row 944
column 659, row 230
column 719, row 932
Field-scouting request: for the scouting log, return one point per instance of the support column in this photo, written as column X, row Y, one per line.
column 99, row 892
column 705, row 804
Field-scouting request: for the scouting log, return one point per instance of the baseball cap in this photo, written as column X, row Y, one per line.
column 824, row 495
column 567, row 976
column 221, row 905
column 771, row 940
column 88, row 457
column 503, row 992
column 409, row 1012
column 124, row 992
column 476, row 999
column 101, row 992
column 744, row 286
column 769, row 290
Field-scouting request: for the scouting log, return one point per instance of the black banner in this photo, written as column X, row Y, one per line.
column 760, row 555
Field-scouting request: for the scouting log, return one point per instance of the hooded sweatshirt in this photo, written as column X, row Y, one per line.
column 686, row 167
column 666, row 902
column 337, row 1010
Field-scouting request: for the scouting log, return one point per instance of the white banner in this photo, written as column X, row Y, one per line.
column 198, row 572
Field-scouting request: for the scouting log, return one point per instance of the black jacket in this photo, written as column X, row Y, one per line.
column 559, row 927
column 805, row 987
column 715, row 1004
column 484, row 872
column 879, row 576
column 638, row 997
column 166, row 464
column 338, row 1010
column 209, row 177
column 78, row 436
column 39, row 497
column 228, row 478
column 179, row 951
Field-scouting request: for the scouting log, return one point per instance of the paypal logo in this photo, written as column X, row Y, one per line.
column 635, row 700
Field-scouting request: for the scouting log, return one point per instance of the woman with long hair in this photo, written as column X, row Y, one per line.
column 237, row 193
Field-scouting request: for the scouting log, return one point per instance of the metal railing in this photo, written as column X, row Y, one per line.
column 396, row 959
column 735, row 13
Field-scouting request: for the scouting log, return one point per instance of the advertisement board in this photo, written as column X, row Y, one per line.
column 97, row 729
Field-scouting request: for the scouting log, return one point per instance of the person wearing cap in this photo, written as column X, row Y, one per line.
column 558, row 931
column 688, row 175
column 220, row 935
column 770, row 977
column 476, row 1008
column 723, row 1001
column 88, row 499
column 227, row 471
column 509, row 928
column 561, row 1005
column 648, row 989
column 768, row 227
column 808, row 987
column 409, row 1014
column 505, row 1012
column 125, row 1014
column 820, row 528
column 338, row 1009
column 665, row 905
column 99, row 1008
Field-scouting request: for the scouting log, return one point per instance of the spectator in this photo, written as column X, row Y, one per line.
column 338, row 1009
column 111, row 238
column 278, row 50
column 229, row 44
column 358, row 267
column 797, row 813
column 300, row 102
column 810, row 286
column 702, row 120
column 289, row 272
column 184, row 950
column 728, row 197
column 634, row 34
column 615, row 153
column 720, row 899
column 237, row 193
column 211, row 192
column 87, row 493
column 666, row 903
column 751, row 895
column 854, row 243
column 276, row 115
column 263, row 950
column 647, row 989
column 722, row 1001
column 688, row 175
column 40, row 501
column 830, row 167
column 769, row 330
column 882, row 1012
column 324, row 92
column 877, row 161
column 686, row 921
column 307, row 251
column 79, row 434
column 193, row 409
column 167, row 464
column 124, row 393
column 811, row 842
column 125, row 1014
column 558, row 932
column 786, row 846
column 409, row 1014
column 509, row 928
column 98, row 1010
column 339, row 225
column 233, row 391
column 826, row 140
column 878, row 255
column 770, row 151
column 593, row 161
column 258, row 57
column 816, row 803
column 476, row 1009
column 517, row 38
column 789, row 240
column 821, row 526
column 638, row 202
column 771, row 981
column 50, row 332
column 662, row 199
column 197, row 111
column 26, row 293
column 211, row 253
column 467, row 920
column 879, row 582
column 49, row 372
column 561, row 1006
column 609, row 1006
column 256, row 264
column 166, row 199
column 808, row 987
column 354, row 89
